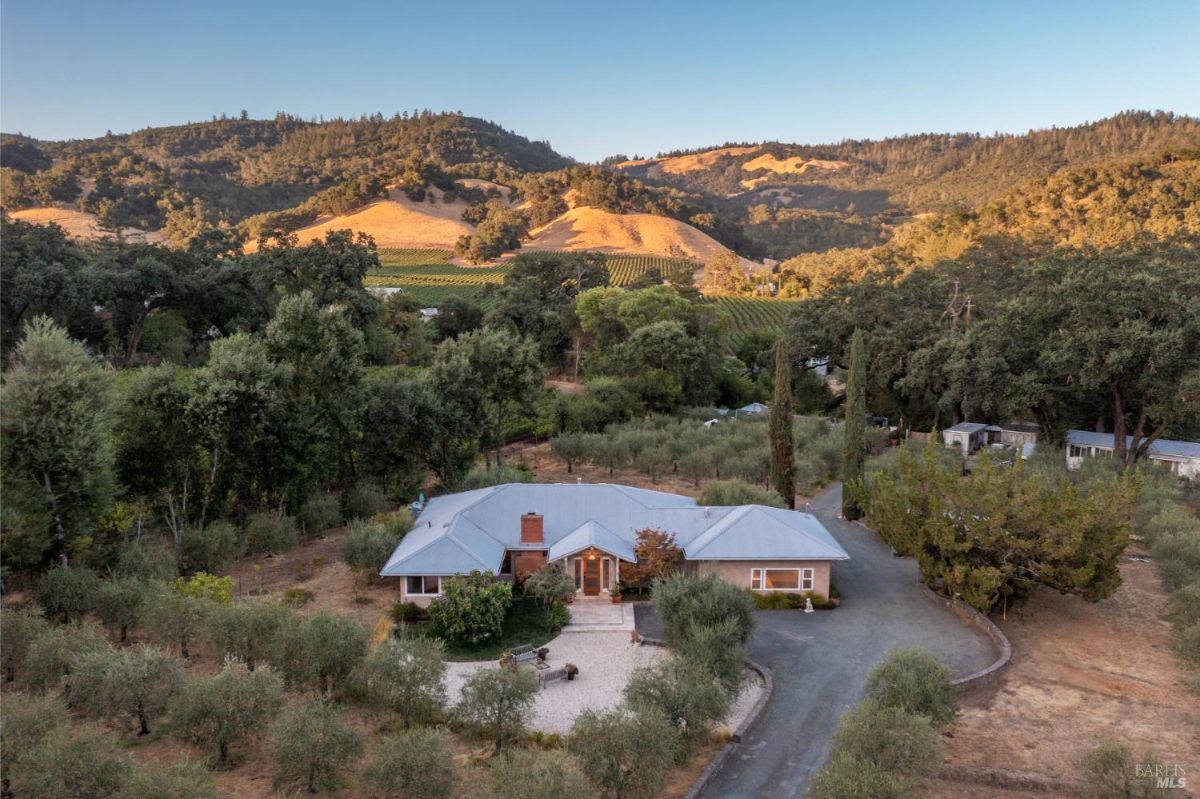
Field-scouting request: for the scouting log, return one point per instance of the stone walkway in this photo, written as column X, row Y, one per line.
column 599, row 615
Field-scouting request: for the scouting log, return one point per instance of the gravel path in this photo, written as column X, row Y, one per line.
column 605, row 661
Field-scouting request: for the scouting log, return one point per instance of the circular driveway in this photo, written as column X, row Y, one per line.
column 819, row 661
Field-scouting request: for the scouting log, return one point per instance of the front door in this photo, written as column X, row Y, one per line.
column 591, row 576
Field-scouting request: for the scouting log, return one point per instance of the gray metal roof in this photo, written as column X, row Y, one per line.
column 471, row 530
column 1161, row 448
column 967, row 427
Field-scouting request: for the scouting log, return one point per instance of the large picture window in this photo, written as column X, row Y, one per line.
column 782, row 579
column 423, row 586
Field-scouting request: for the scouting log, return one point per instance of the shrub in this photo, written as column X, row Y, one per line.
column 1187, row 643
column 210, row 549
column 625, row 754
column 297, row 597
column 175, row 618
column 146, row 560
column 67, row 592
column 407, row 612
column 180, row 780
column 228, row 708
column 367, row 548
column 684, row 601
column 312, row 745
column 683, row 692
column 364, row 501
column 397, row 523
column 560, row 616
column 323, row 650
column 1178, row 557
column 269, row 532
column 67, row 764
column 738, row 492
column 203, row 585
column 406, row 675
column 549, row 584
column 776, row 601
column 119, row 604
column 471, row 608
column 658, row 556
column 415, row 764
column 890, row 738
column 519, row 774
column 52, row 654
column 914, row 681
column 716, row 649
column 1110, row 771
column 249, row 631
column 1183, row 607
column 28, row 719
column 318, row 513
column 135, row 683
column 18, row 630
column 496, row 702
column 845, row 777
column 499, row 475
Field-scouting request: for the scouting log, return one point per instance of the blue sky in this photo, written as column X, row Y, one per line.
column 600, row 78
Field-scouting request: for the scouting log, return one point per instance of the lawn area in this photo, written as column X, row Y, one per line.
column 525, row 624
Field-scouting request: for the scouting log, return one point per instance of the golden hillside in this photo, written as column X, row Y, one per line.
column 399, row 222
column 80, row 224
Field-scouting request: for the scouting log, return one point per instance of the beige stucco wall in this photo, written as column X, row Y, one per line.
column 738, row 571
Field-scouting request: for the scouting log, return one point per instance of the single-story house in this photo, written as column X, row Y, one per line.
column 511, row 530
column 970, row 437
column 1180, row 458
column 753, row 409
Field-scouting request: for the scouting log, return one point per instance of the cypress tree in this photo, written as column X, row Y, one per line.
column 783, row 452
column 854, row 451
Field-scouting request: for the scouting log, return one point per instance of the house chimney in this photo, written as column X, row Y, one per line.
column 531, row 529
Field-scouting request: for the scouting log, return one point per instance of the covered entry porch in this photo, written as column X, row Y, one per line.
column 592, row 555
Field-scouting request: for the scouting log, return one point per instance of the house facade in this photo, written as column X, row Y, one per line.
column 591, row 529
column 967, row 438
column 1180, row 458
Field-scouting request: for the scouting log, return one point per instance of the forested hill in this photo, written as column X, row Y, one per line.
column 239, row 167
column 915, row 173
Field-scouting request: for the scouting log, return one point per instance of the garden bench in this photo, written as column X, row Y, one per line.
column 550, row 675
column 523, row 653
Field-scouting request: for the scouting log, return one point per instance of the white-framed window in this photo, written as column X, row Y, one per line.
column 782, row 579
column 423, row 586
column 1075, row 451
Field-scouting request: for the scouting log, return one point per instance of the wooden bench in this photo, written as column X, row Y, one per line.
column 523, row 653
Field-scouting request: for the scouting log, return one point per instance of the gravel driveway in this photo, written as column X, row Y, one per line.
column 820, row 660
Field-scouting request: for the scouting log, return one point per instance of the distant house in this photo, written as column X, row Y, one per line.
column 968, row 438
column 428, row 313
column 753, row 409
column 591, row 529
column 1180, row 458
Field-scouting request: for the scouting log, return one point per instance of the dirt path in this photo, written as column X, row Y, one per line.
column 1080, row 673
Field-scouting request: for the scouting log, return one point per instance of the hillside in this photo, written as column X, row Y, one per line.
column 80, row 225
column 586, row 228
column 230, row 169
column 915, row 173
column 399, row 222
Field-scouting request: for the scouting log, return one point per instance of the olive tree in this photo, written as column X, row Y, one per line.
column 415, row 764
column 176, row 619
column 18, row 630
column 52, row 654
column 914, row 681
column 228, row 708
column 250, row 631
column 323, row 650
column 312, row 745
column 28, row 719
column 682, row 691
column 135, row 683
column 68, row 593
column 520, row 774
column 406, row 675
column 626, row 755
column 119, row 604
column 496, row 702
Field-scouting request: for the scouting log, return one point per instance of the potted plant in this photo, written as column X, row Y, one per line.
column 615, row 593
column 571, row 669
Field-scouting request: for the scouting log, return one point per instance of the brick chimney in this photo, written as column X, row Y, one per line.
column 531, row 529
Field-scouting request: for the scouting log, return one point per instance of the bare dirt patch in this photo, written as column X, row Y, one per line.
column 1081, row 673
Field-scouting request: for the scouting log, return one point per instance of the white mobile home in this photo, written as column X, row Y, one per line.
column 1181, row 458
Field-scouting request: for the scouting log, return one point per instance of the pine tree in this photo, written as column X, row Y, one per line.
column 855, row 449
column 783, row 452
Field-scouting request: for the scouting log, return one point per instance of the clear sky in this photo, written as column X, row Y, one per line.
column 597, row 77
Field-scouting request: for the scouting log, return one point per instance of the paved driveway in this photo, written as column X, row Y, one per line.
column 819, row 661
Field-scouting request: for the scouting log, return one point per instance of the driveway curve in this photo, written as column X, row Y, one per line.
column 819, row 661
